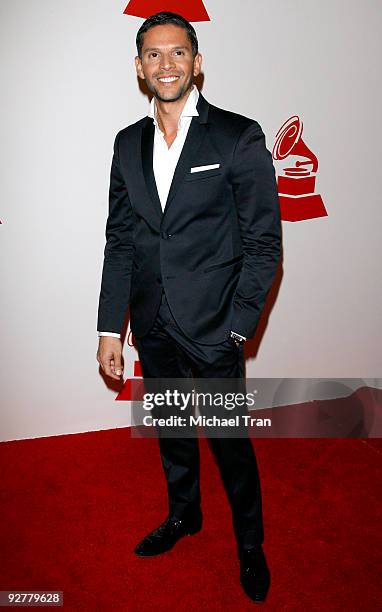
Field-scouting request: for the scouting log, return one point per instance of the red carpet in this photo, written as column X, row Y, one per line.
column 74, row 506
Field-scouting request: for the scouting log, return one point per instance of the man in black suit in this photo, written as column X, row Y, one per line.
column 193, row 243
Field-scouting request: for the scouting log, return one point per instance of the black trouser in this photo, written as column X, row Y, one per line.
column 165, row 352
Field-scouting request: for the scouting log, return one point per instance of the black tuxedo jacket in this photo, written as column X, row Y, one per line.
column 216, row 246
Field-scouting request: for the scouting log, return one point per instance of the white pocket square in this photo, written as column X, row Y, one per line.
column 201, row 168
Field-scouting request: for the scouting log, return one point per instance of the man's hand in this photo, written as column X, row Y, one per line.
column 109, row 356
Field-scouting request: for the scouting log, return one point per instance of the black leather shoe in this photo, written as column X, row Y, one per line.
column 166, row 535
column 255, row 577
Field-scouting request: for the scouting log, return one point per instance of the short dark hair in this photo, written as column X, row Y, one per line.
column 163, row 18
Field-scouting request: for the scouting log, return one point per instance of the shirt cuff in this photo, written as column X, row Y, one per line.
column 109, row 334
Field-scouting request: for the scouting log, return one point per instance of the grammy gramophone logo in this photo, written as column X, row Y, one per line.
column 297, row 182
column 193, row 10
column 133, row 386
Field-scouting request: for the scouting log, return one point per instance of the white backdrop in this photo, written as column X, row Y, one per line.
column 69, row 86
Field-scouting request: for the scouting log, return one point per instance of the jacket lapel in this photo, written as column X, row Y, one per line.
column 147, row 148
column 194, row 139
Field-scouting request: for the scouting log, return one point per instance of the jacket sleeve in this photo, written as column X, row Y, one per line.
column 256, row 198
column 118, row 254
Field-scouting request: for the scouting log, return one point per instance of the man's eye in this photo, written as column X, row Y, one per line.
column 181, row 52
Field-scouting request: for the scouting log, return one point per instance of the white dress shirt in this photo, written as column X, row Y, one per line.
column 165, row 159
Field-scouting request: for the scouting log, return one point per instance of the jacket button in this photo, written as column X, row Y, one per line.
column 166, row 236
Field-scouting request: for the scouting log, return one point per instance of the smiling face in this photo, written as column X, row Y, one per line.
column 167, row 64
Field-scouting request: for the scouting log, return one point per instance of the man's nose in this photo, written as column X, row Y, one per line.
column 167, row 61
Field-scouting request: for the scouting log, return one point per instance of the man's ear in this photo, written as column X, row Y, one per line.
column 197, row 63
column 138, row 67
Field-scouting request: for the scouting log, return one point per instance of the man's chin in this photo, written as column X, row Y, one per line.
column 171, row 96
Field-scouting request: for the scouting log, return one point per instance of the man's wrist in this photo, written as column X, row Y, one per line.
column 238, row 337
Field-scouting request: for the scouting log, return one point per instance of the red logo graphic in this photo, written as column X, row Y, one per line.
column 132, row 387
column 192, row 10
column 297, row 183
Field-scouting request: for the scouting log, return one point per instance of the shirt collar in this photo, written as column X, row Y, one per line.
column 189, row 109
